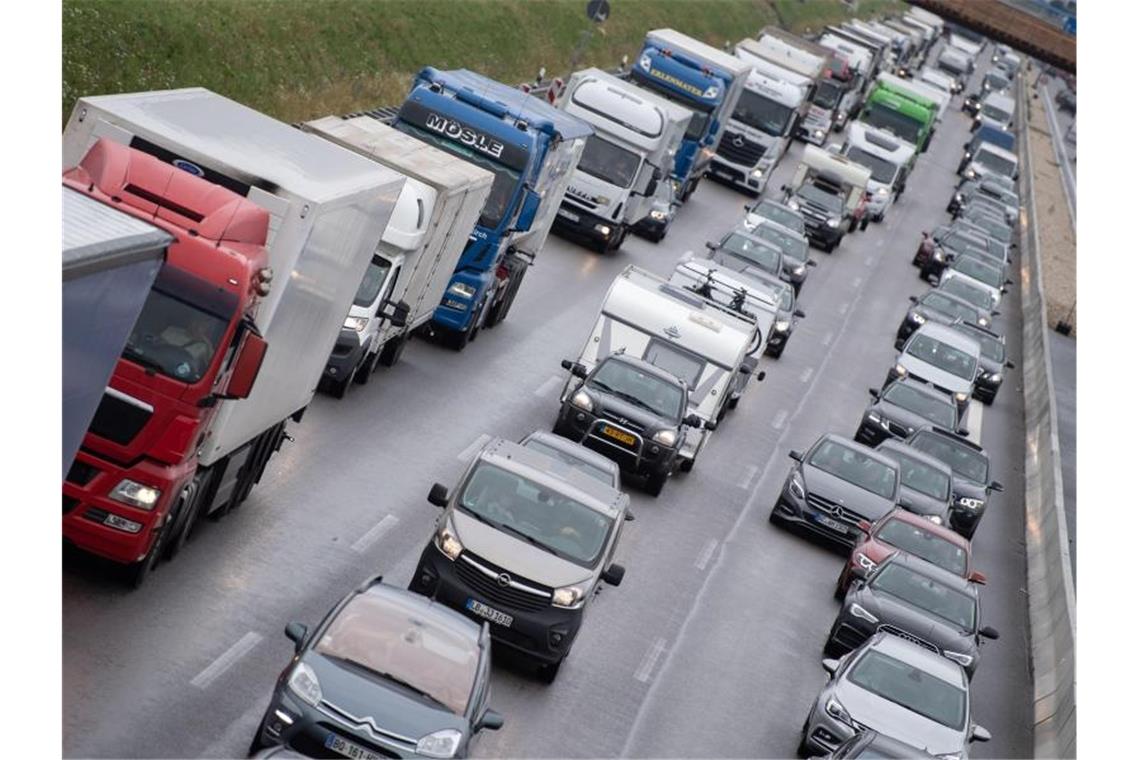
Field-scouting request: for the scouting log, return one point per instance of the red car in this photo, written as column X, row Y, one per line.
column 910, row 533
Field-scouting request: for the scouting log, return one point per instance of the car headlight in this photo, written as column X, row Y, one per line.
column 863, row 614
column 794, row 205
column 782, row 325
column 657, row 215
column 994, row 378
column 833, row 223
column 796, row 485
column 818, row 133
column 936, row 519
column 899, row 370
column 983, row 321
column 961, row 397
column 447, row 543
column 917, row 318
column 882, row 191
column 665, row 437
column 938, row 256
column 958, row 197
column 603, row 229
column 874, row 417
column 970, row 173
column 959, row 657
column 866, row 562
column 837, row 711
column 568, row 596
column 439, row 744
column 356, row 323
column 303, row 682
column 582, row 400
column 461, row 289
column 798, row 270
column 970, row 503
column 135, row 494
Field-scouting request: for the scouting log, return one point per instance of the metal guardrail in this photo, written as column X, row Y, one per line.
column 1068, row 181
column 1049, row 577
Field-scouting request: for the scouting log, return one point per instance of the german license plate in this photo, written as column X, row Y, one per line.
column 348, row 749
column 571, row 216
column 618, row 435
column 723, row 173
column 829, row 523
column 490, row 613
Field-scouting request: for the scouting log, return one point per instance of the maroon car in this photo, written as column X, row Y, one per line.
column 910, row 533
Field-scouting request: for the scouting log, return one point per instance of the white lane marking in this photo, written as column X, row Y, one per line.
column 806, row 374
column 548, row 385
column 375, row 533
column 226, row 660
column 843, row 307
column 706, row 554
column 974, row 421
column 645, row 669
column 477, row 444
column 781, row 418
column 746, row 481
column 828, row 338
column 857, row 282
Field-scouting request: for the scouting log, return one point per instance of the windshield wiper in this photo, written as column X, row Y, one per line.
column 634, row 400
column 146, row 361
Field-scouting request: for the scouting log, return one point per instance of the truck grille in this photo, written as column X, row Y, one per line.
column 896, row 631
column 738, row 149
column 118, row 421
column 490, row 589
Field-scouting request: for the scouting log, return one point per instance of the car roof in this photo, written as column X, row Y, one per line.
column 912, row 654
column 952, row 338
column 921, row 521
column 576, row 450
column 850, row 444
column 930, row 570
column 554, row 475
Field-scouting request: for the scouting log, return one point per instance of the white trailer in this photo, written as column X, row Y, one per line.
column 636, row 136
column 328, row 208
column 434, row 216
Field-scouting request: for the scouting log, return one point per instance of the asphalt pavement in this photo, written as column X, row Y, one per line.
column 711, row 645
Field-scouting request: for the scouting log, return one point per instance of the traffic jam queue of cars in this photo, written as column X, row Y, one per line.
column 466, row 180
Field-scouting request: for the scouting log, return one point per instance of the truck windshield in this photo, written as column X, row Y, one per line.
column 608, row 162
column 882, row 170
column 700, row 120
column 374, row 278
column 174, row 337
column 827, row 94
column 502, row 189
column 898, row 124
column 763, row 113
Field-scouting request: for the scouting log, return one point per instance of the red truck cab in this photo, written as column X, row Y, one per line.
column 194, row 343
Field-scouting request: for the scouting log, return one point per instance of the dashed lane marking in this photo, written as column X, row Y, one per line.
column 780, row 419
column 649, row 661
column 746, row 481
column 857, row 282
column 806, row 374
column 226, row 660
column 477, row 444
column 828, row 338
column 706, row 553
column 843, row 307
column 375, row 533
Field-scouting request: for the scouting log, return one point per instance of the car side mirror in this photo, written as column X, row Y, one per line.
column 799, row 313
column 874, row 392
column 978, row 578
column 613, row 574
column 575, row 368
column 963, row 431
column 692, row 421
column 761, row 375
column 491, row 720
column 865, row 526
column 296, row 632
column 1008, row 281
column 1010, row 365
column 796, row 455
column 989, row 632
column 710, row 424
column 812, row 263
column 247, row 365
column 913, row 299
column 996, row 486
column 979, row 734
column 399, row 315
column 629, row 517
column 710, row 245
column 995, row 312
column 438, row 495
column 830, row 665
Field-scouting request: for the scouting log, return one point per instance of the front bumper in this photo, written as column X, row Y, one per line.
column 791, row 511
column 346, row 355
column 582, row 224
column 825, row 733
column 455, row 313
column 821, row 234
column 545, row 635
column 964, row 520
column 311, row 727
column 777, row 340
column 870, row 433
column 816, row 134
column 739, row 177
column 644, row 457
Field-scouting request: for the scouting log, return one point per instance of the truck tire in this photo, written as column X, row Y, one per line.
column 500, row 310
column 138, row 572
column 364, row 372
column 189, row 509
column 459, row 341
column 392, row 350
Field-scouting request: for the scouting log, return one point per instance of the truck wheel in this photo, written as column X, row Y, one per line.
column 734, row 402
column 687, row 465
column 190, row 506
column 460, row 340
column 337, row 388
column 392, row 350
column 364, row 372
column 547, row 672
column 140, row 571
column 654, row 484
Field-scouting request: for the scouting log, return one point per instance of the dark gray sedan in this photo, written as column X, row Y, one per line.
column 940, row 307
column 971, row 466
column 795, row 247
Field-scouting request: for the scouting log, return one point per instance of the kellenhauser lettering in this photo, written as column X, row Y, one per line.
column 677, row 82
column 465, row 135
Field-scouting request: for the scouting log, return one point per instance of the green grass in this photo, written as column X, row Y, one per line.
column 300, row 59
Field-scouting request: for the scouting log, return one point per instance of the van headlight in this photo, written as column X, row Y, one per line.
column 961, row 397
column 135, row 494
column 356, row 323
column 570, row 597
column 833, row 223
column 882, row 191
column 665, row 437
column 441, row 744
column 782, row 325
column 582, row 400
column 461, row 289
column 447, row 542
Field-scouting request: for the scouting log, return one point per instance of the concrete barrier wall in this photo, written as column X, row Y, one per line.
column 1052, row 600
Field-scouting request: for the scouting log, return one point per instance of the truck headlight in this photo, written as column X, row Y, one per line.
column 135, row 494
column 645, row 62
column 657, row 215
column 818, row 134
column 959, row 657
column 757, row 174
column 782, row 325
column 603, row 229
column 833, row 223
column 356, row 323
column 570, row 597
column 711, row 91
column 447, row 543
column 441, row 744
column 582, row 400
column 303, row 682
column 883, row 191
column 665, row 437
column 461, row 289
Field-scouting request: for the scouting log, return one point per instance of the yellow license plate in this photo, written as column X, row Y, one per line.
column 616, row 434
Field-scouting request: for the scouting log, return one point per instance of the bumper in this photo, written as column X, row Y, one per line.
column 964, row 520
column 825, row 733
column 545, row 635
column 776, row 341
column 847, row 635
column 312, row 727
column 654, row 228
column 823, row 235
column 738, row 176
column 800, row 514
column 455, row 313
column 573, row 221
column 345, row 356
column 644, row 458
column 816, row 134
column 878, row 204
column 984, row 391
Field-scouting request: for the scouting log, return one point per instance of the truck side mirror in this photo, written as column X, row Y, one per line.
column 399, row 315
column 692, row 421
column 247, row 365
column 438, row 495
column 529, row 211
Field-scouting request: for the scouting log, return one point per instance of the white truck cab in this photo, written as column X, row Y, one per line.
column 997, row 111
column 889, row 160
column 805, row 59
column 636, row 136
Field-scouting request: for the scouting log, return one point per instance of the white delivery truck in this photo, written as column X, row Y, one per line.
column 636, row 137
column 808, row 60
column 889, row 159
column 859, row 63
column 434, row 216
column 829, row 192
column 327, row 207
column 758, row 132
column 645, row 316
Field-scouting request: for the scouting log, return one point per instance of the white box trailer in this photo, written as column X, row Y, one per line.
column 642, row 312
column 434, row 217
column 328, row 208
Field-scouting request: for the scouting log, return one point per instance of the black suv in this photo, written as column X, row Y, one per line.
column 971, row 467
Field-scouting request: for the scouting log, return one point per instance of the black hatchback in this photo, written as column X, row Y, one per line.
column 387, row 673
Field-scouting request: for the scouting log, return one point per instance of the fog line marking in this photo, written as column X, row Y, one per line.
column 706, row 554
column 806, row 374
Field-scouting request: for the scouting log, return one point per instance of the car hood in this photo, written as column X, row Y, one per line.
column 927, row 372
column 902, row 416
column 867, row 504
column 898, row 722
column 891, row 611
column 516, row 556
column 962, row 486
column 921, row 504
column 388, row 707
column 619, row 409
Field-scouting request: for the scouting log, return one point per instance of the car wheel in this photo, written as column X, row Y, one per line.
column 654, row 484
column 547, row 672
column 183, row 524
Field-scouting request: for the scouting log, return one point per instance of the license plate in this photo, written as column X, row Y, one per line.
column 568, row 215
column 723, row 173
column 348, row 749
column 490, row 613
column 618, row 435
column 829, row 523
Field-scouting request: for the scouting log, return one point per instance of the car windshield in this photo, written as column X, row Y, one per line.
column 821, row 196
column 994, row 162
column 856, row 467
column 923, row 544
column 964, row 460
column 389, row 636
column 938, row 302
column 927, row 594
column 608, row 162
column 762, row 255
column 995, row 113
column 996, row 81
column 978, row 269
column 827, row 94
column 597, row 473
column 882, row 170
column 956, row 286
column 910, row 687
column 795, row 248
column 639, row 387
column 373, row 279
column 992, row 348
column 549, row 520
column 761, row 112
column 174, row 337
column 898, row 124
column 944, row 356
column 937, row 409
column 780, row 215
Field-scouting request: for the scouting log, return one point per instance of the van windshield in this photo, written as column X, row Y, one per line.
column 882, row 170
column 827, row 94
column 608, row 162
column 898, row 124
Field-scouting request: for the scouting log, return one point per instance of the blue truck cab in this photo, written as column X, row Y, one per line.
column 699, row 77
column 532, row 149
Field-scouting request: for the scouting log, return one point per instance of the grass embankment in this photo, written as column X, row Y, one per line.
column 300, row 59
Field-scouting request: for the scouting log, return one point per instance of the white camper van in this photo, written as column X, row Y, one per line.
column 889, row 159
